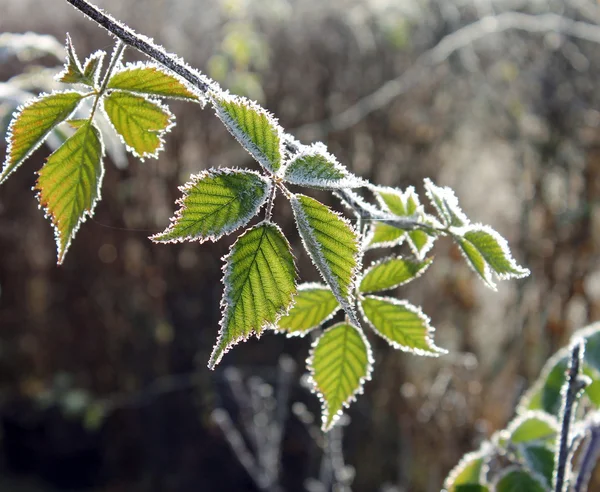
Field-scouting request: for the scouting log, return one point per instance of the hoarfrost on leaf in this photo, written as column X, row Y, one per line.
column 260, row 284
column 389, row 273
column 75, row 73
column 216, row 202
column 340, row 362
column 446, row 204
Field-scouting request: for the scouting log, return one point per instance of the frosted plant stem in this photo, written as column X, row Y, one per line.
column 571, row 389
column 116, row 56
column 588, row 461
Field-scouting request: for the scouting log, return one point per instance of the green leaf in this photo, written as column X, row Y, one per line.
column 384, row 236
column 476, row 261
column 314, row 167
column 314, row 305
column 152, row 80
column 70, row 181
column 74, row 73
column 253, row 127
column 472, row 487
column 333, row 246
column 214, row 203
column 391, row 272
column 469, row 471
column 260, row 284
column 32, row 123
column 340, row 362
column 403, row 205
column 591, row 334
column 141, row 122
column 515, row 480
column 446, row 204
column 403, row 325
column 540, row 460
column 533, row 426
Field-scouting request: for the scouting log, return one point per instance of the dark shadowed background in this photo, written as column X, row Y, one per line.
column 103, row 378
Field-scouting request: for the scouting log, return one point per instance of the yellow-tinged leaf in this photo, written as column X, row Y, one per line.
column 69, row 183
column 139, row 121
column 32, row 123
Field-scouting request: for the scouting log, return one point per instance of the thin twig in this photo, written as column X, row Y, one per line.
column 588, row 461
column 570, row 392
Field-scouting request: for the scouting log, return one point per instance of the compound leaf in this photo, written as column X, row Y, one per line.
column 332, row 244
column 313, row 306
column 150, row 79
column 340, row 362
column 69, row 183
column 401, row 324
column 390, row 273
column 260, row 284
column 139, row 121
column 32, row 123
column 515, row 480
column 316, row 168
column 214, row 203
column 253, row 127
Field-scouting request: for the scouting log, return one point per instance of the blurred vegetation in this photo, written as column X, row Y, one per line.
column 103, row 379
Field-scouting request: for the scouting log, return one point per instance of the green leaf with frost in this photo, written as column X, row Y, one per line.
column 253, row 127
column 469, row 471
column 540, row 461
column 140, row 122
column 260, row 284
column 152, row 80
column 401, row 324
column 403, row 204
column 446, row 204
column 313, row 305
column 75, row 73
column 32, row 123
column 339, row 364
column 487, row 252
column 533, row 426
column 391, row 272
column 69, row 183
column 314, row 167
column 383, row 235
column 215, row 203
column 517, row 480
column 333, row 246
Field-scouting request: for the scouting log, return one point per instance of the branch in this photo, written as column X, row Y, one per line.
column 440, row 52
column 588, row 460
column 570, row 392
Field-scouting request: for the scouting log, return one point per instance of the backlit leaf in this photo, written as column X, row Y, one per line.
column 316, row 168
column 74, row 73
column 140, row 122
column 403, row 325
column 150, row 79
column 390, row 273
column 445, row 202
column 69, row 183
column 214, row 203
column 533, row 426
column 515, row 480
column 260, row 284
column 468, row 471
column 340, row 362
column 332, row 244
column 540, row 460
column 32, row 123
column 384, row 236
column 313, row 306
column 255, row 128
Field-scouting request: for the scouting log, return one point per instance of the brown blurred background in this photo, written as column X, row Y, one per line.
column 103, row 378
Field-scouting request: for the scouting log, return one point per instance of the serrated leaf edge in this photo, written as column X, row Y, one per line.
column 302, row 334
column 185, row 188
column 383, row 244
column 361, row 383
column 430, row 330
column 386, row 259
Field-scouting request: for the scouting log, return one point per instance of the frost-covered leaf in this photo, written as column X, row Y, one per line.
column 316, row 168
column 141, row 122
column 469, row 471
column 260, row 284
column 477, row 262
column 214, row 203
column 515, row 480
column 32, row 123
column 540, row 460
column 340, row 362
column 69, row 183
column 533, row 426
column 332, row 244
column 255, row 128
column 150, row 79
column 391, row 272
column 403, row 325
column 446, row 204
column 313, row 306
column 75, row 73
column 402, row 204
column 383, row 235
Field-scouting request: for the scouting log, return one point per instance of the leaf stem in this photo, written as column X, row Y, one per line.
column 588, row 460
column 570, row 392
column 116, row 56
